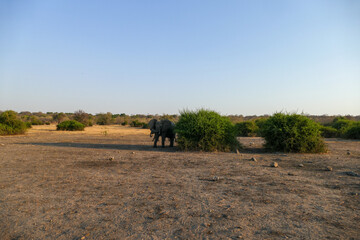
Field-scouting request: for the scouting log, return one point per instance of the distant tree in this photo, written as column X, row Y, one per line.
column 104, row 119
column 59, row 117
column 82, row 117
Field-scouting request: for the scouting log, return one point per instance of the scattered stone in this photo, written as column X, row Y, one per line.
column 216, row 178
column 111, row 158
column 237, row 152
column 251, row 143
column 354, row 193
column 301, row 165
column 2, row 144
column 132, row 152
column 352, row 174
column 328, row 168
column 253, row 159
column 274, row 164
column 348, row 152
column 291, row 174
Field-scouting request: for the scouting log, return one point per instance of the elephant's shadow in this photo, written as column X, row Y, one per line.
column 133, row 147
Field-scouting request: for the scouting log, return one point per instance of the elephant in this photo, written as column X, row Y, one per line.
column 164, row 128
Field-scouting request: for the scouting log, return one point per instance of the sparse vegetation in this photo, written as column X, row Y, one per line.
column 10, row 124
column 293, row 133
column 205, row 130
column 70, row 125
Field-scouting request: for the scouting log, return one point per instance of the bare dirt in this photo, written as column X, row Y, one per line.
column 109, row 183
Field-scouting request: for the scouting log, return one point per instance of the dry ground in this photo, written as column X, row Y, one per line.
column 62, row 185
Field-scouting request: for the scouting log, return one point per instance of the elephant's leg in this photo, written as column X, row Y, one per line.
column 171, row 142
column 156, row 138
column 163, row 137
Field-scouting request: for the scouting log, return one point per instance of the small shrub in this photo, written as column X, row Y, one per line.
column 292, row 133
column 205, row 130
column 246, row 129
column 328, row 132
column 124, row 123
column 10, row 124
column 353, row 132
column 70, row 125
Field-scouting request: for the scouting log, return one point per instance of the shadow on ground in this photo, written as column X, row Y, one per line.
column 106, row 146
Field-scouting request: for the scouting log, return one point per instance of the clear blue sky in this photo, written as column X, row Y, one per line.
column 234, row 57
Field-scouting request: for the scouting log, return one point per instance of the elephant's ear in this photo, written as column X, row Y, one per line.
column 152, row 123
column 158, row 126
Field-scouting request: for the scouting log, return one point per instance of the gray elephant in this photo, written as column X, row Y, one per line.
column 163, row 128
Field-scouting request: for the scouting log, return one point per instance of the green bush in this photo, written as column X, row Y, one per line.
column 70, row 125
column 329, row 132
column 137, row 123
column 124, row 123
column 353, row 131
column 246, row 129
column 10, row 124
column 292, row 133
column 341, row 124
column 205, row 130
column 260, row 123
column 28, row 124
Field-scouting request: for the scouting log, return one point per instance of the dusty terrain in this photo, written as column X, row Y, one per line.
column 109, row 183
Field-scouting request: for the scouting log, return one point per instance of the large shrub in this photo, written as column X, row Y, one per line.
column 246, row 129
column 10, row 124
column 353, row 131
column 70, row 125
column 205, row 130
column 292, row 133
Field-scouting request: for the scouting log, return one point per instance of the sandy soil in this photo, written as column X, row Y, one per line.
column 109, row 183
